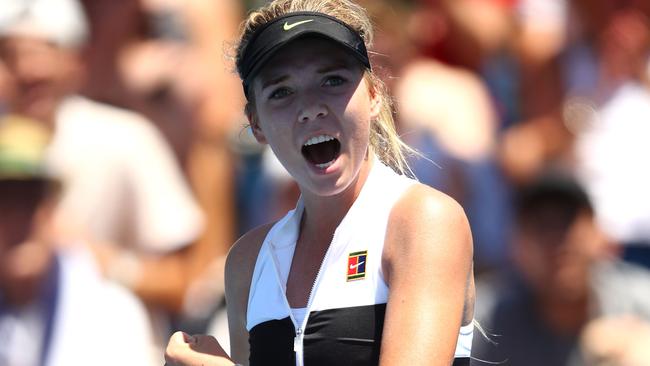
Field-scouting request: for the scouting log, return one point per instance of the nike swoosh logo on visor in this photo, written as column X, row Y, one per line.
column 288, row 26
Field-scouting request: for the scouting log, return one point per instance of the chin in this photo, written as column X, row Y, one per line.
column 330, row 186
column 40, row 110
column 336, row 182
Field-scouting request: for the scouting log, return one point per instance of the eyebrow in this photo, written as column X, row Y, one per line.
column 273, row 81
column 323, row 70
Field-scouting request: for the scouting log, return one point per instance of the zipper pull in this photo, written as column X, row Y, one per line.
column 297, row 340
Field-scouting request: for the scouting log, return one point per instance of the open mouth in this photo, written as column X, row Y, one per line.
column 322, row 150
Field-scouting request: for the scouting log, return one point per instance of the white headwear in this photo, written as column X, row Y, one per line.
column 60, row 21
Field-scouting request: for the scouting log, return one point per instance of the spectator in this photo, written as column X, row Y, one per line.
column 55, row 308
column 564, row 275
column 165, row 59
column 123, row 193
column 619, row 131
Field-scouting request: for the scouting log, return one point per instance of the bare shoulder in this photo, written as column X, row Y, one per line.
column 428, row 222
column 423, row 205
column 239, row 269
column 248, row 244
column 243, row 254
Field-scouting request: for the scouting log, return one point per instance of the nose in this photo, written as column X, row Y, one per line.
column 312, row 109
column 28, row 68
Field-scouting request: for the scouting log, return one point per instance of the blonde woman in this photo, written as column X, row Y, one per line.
column 371, row 267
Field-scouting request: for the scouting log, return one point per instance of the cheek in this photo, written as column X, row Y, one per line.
column 275, row 131
column 271, row 129
column 358, row 117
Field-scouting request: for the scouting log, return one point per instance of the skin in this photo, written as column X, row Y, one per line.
column 427, row 257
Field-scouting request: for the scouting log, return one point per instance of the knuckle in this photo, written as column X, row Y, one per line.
column 171, row 351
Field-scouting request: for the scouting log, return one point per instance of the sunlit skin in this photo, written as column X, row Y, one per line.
column 300, row 94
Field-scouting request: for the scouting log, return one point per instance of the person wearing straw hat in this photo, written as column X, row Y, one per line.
column 55, row 308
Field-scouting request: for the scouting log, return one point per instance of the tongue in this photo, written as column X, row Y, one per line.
column 321, row 153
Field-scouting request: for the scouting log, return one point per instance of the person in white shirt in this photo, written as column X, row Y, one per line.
column 124, row 193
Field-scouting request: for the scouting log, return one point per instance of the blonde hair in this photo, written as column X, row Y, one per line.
column 384, row 139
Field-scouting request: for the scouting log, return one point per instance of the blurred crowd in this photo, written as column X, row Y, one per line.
column 127, row 169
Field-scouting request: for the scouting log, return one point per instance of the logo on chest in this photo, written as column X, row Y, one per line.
column 357, row 265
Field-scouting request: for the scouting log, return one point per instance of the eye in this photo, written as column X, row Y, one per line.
column 280, row 93
column 334, row 80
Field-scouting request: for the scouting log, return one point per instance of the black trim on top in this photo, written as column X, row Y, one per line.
column 271, row 343
column 343, row 336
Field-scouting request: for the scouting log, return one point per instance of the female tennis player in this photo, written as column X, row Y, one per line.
column 371, row 267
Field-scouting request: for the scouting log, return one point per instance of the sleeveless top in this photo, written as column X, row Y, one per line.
column 345, row 311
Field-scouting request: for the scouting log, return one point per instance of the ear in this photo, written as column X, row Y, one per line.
column 375, row 103
column 255, row 125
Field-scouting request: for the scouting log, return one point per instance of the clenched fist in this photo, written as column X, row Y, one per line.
column 196, row 350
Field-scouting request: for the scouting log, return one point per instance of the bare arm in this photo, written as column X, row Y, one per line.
column 239, row 271
column 427, row 262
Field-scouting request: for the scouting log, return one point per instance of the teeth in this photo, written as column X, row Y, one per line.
column 325, row 165
column 318, row 139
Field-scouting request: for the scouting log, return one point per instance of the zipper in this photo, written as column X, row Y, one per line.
column 299, row 328
column 298, row 340
column 297, row 346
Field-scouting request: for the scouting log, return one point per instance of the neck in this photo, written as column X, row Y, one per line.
column 49, row 121
column 324, row 214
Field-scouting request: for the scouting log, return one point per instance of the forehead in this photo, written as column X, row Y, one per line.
column 19, row 45
column 309, row 52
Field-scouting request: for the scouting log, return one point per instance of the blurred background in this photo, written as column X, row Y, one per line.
column 127, row 170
